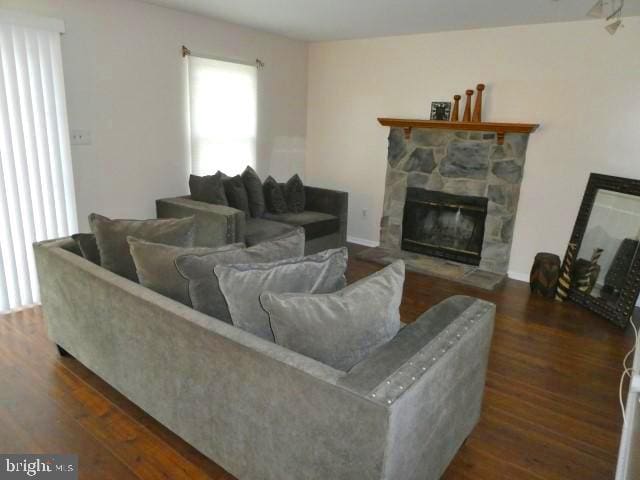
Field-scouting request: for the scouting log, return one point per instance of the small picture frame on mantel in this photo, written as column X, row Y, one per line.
column 440, row 111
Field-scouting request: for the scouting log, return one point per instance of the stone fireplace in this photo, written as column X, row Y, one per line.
column 450, row 202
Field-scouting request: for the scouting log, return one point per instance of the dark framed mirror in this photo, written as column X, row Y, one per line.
column 605, row 273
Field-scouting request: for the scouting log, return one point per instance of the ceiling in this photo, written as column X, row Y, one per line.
column 320, row 20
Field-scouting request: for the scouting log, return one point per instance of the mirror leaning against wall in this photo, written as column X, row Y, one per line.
column 605, row 276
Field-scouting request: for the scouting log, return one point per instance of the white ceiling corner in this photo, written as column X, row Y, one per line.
column 322, row 20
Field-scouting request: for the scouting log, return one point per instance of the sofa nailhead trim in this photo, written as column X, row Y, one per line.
column 401, row 380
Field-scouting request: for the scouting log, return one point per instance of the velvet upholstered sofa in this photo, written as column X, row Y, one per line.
column 324, row 220
column 262, row 411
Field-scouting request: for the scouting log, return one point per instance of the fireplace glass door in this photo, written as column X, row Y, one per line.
column 444, row 225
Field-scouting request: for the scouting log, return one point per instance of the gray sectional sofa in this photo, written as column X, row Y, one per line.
column 262, row 411
column 324, row 220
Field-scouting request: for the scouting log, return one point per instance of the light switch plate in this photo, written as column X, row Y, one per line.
column 80, row 137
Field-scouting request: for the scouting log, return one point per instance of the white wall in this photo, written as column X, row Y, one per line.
column 574, row 79
column 125, row 82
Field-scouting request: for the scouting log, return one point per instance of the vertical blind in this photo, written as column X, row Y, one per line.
column 223, row 111
column 37, row 199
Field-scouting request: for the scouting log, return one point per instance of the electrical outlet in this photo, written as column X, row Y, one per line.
column 80, row 137
column 364, row 213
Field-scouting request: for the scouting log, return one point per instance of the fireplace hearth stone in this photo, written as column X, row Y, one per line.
column 435, row 267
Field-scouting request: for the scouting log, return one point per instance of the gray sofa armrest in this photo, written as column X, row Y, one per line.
column 431, row 377
column 333, row 202
column 216, row 224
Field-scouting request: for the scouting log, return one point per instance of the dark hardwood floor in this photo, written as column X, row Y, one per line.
column 550, row 410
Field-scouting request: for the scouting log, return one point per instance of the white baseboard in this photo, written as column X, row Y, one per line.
column 362, row 241
column 523, row 277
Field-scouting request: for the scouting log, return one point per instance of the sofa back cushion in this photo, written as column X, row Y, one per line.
column 156, row 266
column 294, row 194
column 88, row 247
column 208, row 188
column 242, row 285
column 111, row 237
column 274, row 196
column 341, row 328
column 237, row 194
column 253, row 185
column 204, row 292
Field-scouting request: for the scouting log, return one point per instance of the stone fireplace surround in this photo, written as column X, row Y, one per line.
column 462, row 163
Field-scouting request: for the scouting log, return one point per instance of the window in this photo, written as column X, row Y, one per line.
column 37, row 198
column 223, row 111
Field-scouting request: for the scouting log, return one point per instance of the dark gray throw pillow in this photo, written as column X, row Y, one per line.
column 242, row 285
column 88, row 247
column 274, row 196
column 237, row 194
column 208, row 188
column 253, row 185
column 294, row 194
column 156, row 266
column 111, row 237
column 341, row 328
column 204, row 292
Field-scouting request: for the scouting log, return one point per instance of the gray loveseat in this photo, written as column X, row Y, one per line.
column 262, row 411
column 324, row 220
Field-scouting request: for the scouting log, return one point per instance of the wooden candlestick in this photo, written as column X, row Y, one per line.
column 467, row 108
column 456, row 106
column 477, row 110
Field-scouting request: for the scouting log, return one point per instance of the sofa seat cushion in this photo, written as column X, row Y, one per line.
column 259, row 229
column 315, row 224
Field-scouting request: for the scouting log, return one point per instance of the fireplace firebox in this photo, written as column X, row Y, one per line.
column 444, row 225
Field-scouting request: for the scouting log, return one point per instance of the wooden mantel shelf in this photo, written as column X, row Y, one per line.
column 499, row 128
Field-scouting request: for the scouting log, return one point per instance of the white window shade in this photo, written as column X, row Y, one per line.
column 37, row 198
column 223, row 113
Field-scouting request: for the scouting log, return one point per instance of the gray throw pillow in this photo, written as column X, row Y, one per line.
column 274, row 196
column 111, row 237
column 242, row 285
column 208, row 188
column 341, row 328
column 253, row 185
column 294, row 194
column 237, row 194
column 156, row 266
column 88, row 247
column 204, row 292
